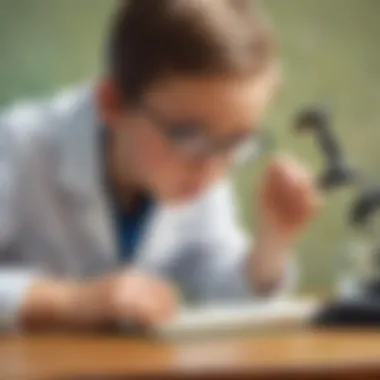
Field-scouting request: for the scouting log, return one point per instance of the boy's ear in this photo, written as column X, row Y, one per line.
column 110, row 101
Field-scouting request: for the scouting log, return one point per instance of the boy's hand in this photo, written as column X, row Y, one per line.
column 288, row 201
column 127, row 297
column 134, row 297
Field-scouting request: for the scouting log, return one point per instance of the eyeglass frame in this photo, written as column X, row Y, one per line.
column 259, row 143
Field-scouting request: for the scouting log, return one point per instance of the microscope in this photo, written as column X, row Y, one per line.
column 358, row 300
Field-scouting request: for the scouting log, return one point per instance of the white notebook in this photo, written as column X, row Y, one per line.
column 214, row 319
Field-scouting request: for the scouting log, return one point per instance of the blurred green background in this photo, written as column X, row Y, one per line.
column 331, row 54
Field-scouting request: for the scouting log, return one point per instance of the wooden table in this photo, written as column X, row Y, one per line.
column 286, row 355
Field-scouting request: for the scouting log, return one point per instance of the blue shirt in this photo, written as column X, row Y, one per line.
column 129, row 228
column 128, row 224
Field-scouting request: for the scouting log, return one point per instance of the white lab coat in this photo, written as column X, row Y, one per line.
column 55, row 219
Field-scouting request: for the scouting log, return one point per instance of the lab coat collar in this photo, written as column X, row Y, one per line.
column 80, row 172
column 80, row 168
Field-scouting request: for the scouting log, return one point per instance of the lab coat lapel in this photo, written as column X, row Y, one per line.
column 81, row 178
column 159, row 245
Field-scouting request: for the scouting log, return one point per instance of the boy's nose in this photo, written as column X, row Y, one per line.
column 209, row 168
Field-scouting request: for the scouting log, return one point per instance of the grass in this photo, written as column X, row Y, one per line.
column 330, row 52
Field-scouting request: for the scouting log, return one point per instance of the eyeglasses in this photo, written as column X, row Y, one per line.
column 195, row 144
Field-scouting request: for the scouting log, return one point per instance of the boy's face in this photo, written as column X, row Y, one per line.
column 186, row 132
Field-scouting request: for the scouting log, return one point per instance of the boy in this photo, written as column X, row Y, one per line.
column 110, row 193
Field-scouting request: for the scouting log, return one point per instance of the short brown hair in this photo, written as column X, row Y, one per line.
column 154, row 38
